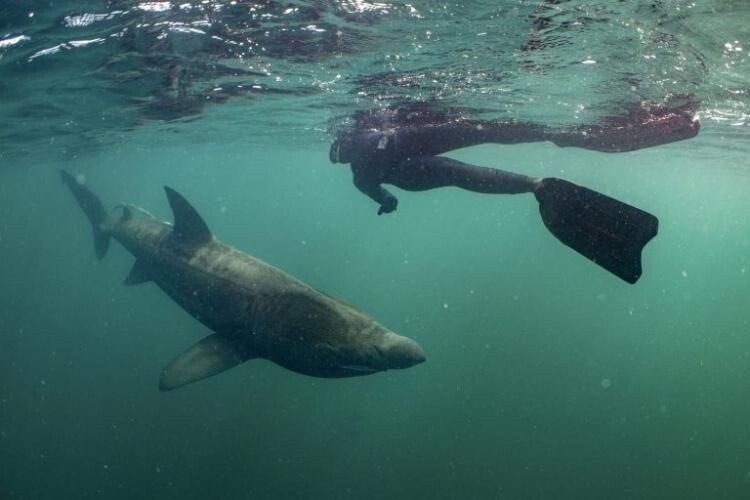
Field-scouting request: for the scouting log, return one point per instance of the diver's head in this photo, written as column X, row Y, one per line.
column 341, row 149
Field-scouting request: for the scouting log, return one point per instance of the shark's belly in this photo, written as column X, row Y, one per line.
column 265, row 311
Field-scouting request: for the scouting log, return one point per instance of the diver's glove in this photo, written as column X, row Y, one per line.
column 388, row 206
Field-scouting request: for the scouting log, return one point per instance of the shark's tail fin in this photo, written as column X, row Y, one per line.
column 94, row 210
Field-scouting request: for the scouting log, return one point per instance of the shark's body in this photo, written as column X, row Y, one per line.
column 253, row 308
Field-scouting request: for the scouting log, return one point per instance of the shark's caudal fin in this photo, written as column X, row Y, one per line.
column 189, row 226
column 93, row 209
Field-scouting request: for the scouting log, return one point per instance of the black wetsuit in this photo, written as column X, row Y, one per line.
column 392, row 148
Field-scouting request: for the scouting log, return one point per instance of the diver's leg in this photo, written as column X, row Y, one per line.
column 609, row 232
column 419, row 174
column 437, row 139
column 644, row 125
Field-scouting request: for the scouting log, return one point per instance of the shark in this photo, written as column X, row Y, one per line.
column 253, row 309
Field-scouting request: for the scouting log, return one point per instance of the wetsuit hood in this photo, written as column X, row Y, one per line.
column 341, row 150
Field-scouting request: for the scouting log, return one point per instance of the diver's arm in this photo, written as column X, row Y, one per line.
column 374, row 190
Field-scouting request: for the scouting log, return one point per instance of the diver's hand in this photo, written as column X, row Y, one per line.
column 388, row 206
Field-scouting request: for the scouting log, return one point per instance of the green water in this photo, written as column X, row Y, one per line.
column 546, row 377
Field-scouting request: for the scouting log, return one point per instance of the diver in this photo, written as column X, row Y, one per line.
column 400, row 146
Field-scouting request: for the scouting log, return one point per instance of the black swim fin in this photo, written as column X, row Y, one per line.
column 605, row 230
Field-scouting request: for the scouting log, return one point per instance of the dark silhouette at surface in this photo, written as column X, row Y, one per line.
column 401, row 147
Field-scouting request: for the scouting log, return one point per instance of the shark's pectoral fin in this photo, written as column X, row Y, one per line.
column 139, row 273
column 210, row 356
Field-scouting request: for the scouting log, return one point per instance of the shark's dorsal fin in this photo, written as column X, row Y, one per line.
column 127, row 213
column 189, row 226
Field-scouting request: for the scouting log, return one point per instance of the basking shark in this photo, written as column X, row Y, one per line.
column 254, row 309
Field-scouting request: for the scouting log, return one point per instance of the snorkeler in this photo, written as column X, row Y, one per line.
column 401, row 147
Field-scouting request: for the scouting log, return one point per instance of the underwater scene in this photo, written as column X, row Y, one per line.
column 323, row 249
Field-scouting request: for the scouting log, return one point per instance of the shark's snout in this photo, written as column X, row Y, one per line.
column 402, row 352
